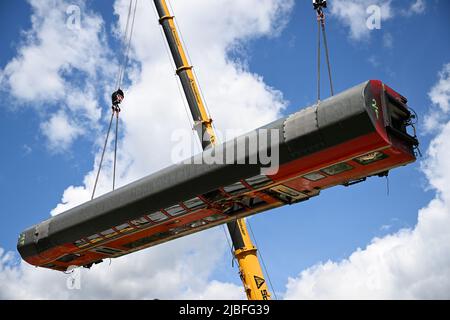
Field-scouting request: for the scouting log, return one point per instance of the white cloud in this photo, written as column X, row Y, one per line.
column 152, row 110
column 440, row 94
column 410, row 264
column 440, row 97
column 353, row 14
column 60, row 131
column 60, row 67
column 72, row 197
column 51, row 51
column 417, row 7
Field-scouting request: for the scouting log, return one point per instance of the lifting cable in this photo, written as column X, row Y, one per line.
column 118, row 95
column 127, row 41
column 103, row 154
column 318, row 6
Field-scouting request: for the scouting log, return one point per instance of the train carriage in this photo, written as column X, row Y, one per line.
column 344, row 139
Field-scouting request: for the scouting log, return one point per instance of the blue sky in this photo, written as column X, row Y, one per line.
column 407, row 53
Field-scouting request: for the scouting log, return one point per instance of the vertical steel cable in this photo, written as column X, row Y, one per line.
column 103, row 154
column 115, row 150
column 327, row 55
column 128, row 46
column 321, row 29
column 121, row 73
column 124, row 40
column 318, row 60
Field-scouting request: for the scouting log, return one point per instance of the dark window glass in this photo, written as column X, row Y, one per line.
column 337, row 168
column 146, row 240
column 197, row 223
column 157, row 216
column 214, row 196
column 194, row 203
column 251, row 202
column 371, row 157
column 81, row 243
column 49, row 265
column 214, row 217
column 233, row 209
column 235, row 188
column 95, row 238
column 106, row 250
column 108, row 233
column 124, row 227
column 314, row 176
column 178, row 230
column 175, row 210
column 289, row 192
column 68, row 257
column 141, row 222
column 258, row 181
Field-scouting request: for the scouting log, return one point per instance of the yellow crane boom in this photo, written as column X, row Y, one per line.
column 245, row 252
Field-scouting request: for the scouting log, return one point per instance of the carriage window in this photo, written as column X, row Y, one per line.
column 314, row 176
column 108, row 233
column 197, row 223
column 178, row 230
column 233, row 208
column 194, row 203
column 337, row 168
column 141, row 222
column 251, row 202
column 214, row 196
column 107, row 250
column 49, row 265
column 146, row 240
column 81, row 243
column 235, row 188
column 68, row 257
column 289, row 192
column 124, row 227
column 157, row 216
column 214, row 217
column 371, row 157
column 95, row 238
column 175, row 210
column 258, row 181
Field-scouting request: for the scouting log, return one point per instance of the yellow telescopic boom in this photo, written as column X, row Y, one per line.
column 245, row 252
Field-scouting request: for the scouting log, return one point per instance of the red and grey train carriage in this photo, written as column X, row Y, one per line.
column 358, row 133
